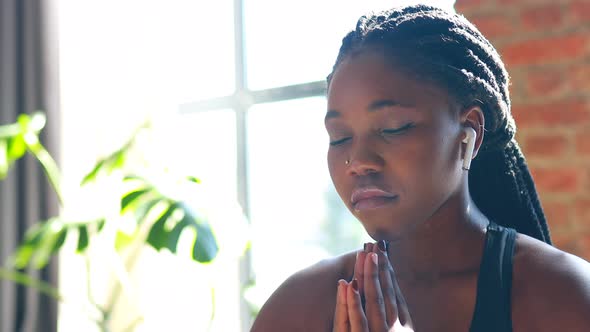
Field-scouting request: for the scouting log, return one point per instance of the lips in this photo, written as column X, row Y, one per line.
column 367, row 198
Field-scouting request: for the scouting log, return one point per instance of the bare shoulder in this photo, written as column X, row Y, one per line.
column 551, row 288
column 306, row 300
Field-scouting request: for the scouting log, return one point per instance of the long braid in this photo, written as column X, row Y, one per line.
column 501, row 186
column 433, row 44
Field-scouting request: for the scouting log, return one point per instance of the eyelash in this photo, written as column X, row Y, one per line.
column 340, row 141
column 385, row 132
column 397, row 130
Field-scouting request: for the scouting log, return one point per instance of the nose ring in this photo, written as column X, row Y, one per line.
column 347, row 162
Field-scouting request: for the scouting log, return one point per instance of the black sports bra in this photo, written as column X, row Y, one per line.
column 493, row 306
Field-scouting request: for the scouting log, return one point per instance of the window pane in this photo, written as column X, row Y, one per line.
column 295, row 211
column 165, row 48
column 205, row 148
column 290, row 42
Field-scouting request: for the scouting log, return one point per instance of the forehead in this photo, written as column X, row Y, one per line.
column 361, row 79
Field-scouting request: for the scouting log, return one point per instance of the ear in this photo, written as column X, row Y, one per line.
column 473, row 117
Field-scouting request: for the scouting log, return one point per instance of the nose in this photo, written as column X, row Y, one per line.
column 364, row 160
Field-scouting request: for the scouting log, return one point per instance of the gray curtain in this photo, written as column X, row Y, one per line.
column 28, row 82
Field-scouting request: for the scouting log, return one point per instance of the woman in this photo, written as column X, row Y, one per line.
column 417, row 93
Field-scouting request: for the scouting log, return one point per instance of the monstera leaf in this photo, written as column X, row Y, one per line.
column 160, row 217
column 45, row 238
column 107, row 165
column 174, row 217
column 21, row 137
column 166, row 217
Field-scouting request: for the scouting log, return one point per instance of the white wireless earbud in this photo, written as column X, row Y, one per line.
column 470, row 135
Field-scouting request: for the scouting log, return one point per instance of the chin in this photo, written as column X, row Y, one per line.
column 380, row 227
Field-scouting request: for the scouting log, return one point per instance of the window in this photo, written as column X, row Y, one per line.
column 235, row 90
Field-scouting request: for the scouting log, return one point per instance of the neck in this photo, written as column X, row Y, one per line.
column 449, row 243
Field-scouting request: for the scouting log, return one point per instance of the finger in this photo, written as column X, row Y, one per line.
column 401, row 306
column 359, row 267
column 341, row 312
column 374, row 302
column 356, row 315
column 359, row 270
column 387, row 281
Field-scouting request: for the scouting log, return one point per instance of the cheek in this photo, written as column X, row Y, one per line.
column 426, row 162
column 331, row 158
column 437, row 166
column 441, row 153
column 336, row 167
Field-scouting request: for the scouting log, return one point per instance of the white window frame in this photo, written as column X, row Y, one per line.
column 240, row 102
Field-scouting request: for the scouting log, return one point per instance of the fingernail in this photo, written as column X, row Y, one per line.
column 374, row 257
column 382, row 246
column 355, row 285
column 340, row 291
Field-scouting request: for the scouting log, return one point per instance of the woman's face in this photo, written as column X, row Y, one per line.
column 402, row 140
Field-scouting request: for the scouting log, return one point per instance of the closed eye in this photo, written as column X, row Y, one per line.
column 394, row 131
column 340, row 141
column 387, row 131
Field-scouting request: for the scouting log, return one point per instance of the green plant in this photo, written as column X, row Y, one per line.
column 159, row 216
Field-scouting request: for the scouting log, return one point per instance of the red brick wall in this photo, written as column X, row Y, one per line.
column 545, row 45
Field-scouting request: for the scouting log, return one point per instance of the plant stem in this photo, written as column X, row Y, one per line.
column 49, row 165
column 133, row 324
column 26, row 280
column 104, row 315
column 212, row 318
column 134, row 253
column 9, row 130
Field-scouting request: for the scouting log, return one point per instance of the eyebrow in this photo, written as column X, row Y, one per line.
column 373, row 107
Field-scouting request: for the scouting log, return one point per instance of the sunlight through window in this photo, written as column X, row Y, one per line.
column 176, row 65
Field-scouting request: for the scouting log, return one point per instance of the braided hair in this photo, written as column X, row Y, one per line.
column 444, row 48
